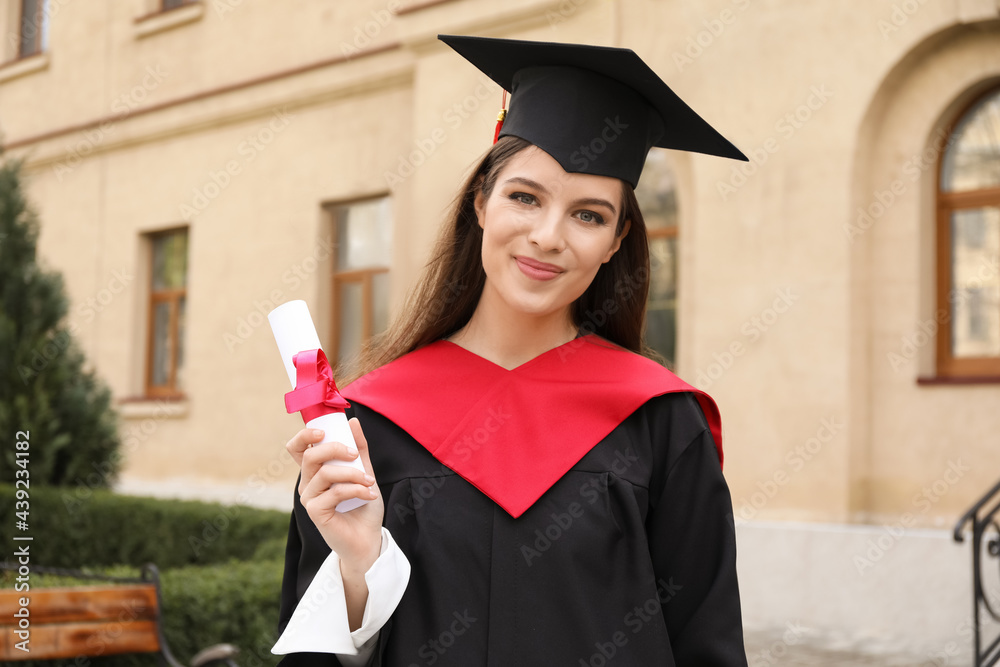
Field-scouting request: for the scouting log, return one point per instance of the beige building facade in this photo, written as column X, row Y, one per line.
column 194, row 167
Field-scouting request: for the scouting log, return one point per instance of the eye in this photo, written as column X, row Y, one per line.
column 591, row 217
column 523, row 198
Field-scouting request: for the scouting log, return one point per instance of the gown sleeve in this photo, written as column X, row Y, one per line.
column 692, row 540
column 313, row 625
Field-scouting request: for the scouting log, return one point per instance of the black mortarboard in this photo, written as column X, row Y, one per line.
column 595, row 109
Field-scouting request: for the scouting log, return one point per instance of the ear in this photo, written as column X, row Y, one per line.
column 618, row 242
column 479, row 204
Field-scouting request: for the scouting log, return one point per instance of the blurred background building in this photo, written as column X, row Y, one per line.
column 195, row 164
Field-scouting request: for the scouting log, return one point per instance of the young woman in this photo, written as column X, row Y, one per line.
column 540, row 492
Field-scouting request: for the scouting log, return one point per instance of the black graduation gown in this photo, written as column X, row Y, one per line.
column 628, row 559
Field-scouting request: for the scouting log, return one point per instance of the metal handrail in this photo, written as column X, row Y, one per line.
column 980, row 523
column 972, row 511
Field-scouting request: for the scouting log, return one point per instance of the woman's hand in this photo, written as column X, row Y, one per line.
column 356, row 535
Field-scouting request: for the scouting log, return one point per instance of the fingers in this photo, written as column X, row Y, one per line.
column 314, row 457
column 301, row 441
column 362, row 442
column 336, row 483
column 323, row 506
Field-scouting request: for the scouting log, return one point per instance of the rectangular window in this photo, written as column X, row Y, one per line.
column 167, row 299
column 360, row 276
column 32, row 28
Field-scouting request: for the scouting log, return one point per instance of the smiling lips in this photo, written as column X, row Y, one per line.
column 537, row 270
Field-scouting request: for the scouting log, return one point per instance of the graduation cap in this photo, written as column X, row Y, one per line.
column 594, row 109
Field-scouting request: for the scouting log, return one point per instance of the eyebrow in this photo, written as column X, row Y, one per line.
column 586, row 201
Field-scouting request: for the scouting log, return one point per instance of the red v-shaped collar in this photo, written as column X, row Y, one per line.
column 515, row 433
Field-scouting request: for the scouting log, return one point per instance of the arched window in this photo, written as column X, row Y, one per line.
column 968, row 245
column 657, row 195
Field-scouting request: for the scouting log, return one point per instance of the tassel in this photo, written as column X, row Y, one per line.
column 500, row 117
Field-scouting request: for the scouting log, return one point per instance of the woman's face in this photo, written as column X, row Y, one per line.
column 546, row 232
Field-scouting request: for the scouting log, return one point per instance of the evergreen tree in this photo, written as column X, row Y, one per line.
column 45, row 390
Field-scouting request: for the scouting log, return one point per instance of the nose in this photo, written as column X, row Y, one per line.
column 546, row 232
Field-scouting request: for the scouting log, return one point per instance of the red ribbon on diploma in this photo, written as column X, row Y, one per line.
column 315, row 392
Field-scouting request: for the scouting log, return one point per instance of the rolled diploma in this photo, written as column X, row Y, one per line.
column 294, row 332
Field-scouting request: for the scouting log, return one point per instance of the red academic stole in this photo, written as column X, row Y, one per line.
column 514, row 433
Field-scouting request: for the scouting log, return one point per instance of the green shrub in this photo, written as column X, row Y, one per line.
column 273, row 549
column 235, row 603
column 46, row 388
column 77, row 526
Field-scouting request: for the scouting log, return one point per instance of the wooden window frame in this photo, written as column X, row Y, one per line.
column 39, row 18
column 354, row 276
column 364, row 276
column 172, row 297
column 662, row 233
column 948, row 368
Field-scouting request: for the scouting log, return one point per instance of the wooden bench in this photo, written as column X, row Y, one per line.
column 91, row 621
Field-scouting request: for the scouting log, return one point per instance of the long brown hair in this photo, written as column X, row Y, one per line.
column 613, row 307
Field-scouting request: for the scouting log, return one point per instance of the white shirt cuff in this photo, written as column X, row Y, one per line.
column 319, row 623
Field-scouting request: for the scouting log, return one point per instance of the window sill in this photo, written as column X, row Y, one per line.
column 933, row 380
column 151, row 24
column 15, row 68
column 142, row 407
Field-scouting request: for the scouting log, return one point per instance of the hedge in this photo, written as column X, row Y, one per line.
column 77, row 526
